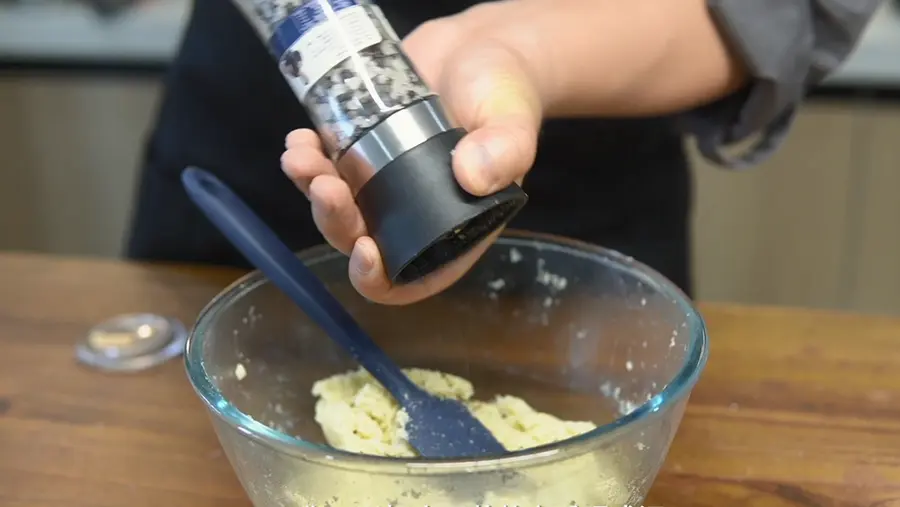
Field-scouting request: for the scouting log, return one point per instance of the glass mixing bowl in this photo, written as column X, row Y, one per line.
column 575, row 330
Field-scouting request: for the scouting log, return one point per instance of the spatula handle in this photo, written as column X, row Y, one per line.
column 262, row 247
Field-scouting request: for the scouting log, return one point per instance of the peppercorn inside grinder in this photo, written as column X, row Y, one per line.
column 384, row 129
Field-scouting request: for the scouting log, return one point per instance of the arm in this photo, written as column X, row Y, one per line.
column 677, row 54
column 737, row 67
column 668, row 55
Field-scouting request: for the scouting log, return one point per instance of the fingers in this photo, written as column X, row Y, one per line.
column 369, row 278
column 304, row 160
column 333, row 208
column 491, row 157
column 490, row 91
column 303, row 137
column 339, row 220
column 335, row 212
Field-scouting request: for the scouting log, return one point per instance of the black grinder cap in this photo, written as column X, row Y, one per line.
column 421, row 218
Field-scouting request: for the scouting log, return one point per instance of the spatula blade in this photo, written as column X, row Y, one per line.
column 442, row 428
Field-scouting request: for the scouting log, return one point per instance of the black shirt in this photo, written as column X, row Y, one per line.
column 623, row 184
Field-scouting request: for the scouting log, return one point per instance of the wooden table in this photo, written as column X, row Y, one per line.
column 796, row 408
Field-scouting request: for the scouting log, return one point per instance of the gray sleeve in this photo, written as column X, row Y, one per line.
column 788, row 46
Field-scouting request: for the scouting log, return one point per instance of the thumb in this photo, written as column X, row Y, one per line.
column 492, row 95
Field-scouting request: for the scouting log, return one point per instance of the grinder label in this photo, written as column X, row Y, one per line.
column 320, row 34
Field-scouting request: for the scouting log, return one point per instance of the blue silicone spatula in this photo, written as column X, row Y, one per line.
column 437, row 428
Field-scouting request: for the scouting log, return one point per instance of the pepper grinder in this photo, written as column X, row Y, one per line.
column 385, row 130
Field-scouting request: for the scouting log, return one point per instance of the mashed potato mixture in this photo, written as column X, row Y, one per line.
column 358, row 415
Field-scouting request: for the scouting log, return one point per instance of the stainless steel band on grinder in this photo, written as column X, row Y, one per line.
column 394, row 136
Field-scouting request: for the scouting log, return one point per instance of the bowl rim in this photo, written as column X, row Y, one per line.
column 678, row 388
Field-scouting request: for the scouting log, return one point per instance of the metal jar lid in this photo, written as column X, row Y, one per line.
column 132, row 342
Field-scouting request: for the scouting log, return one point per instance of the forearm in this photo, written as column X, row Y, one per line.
column 623, row 58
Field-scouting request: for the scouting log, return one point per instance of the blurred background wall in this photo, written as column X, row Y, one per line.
column 818, row 225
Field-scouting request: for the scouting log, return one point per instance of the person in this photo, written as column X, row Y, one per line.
column 590, row 99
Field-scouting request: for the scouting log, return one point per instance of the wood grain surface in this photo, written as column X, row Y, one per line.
column 796, row 407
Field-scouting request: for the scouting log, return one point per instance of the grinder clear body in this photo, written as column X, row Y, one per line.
column 343, row 61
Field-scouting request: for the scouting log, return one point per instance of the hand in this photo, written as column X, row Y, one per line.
column 488, row 88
